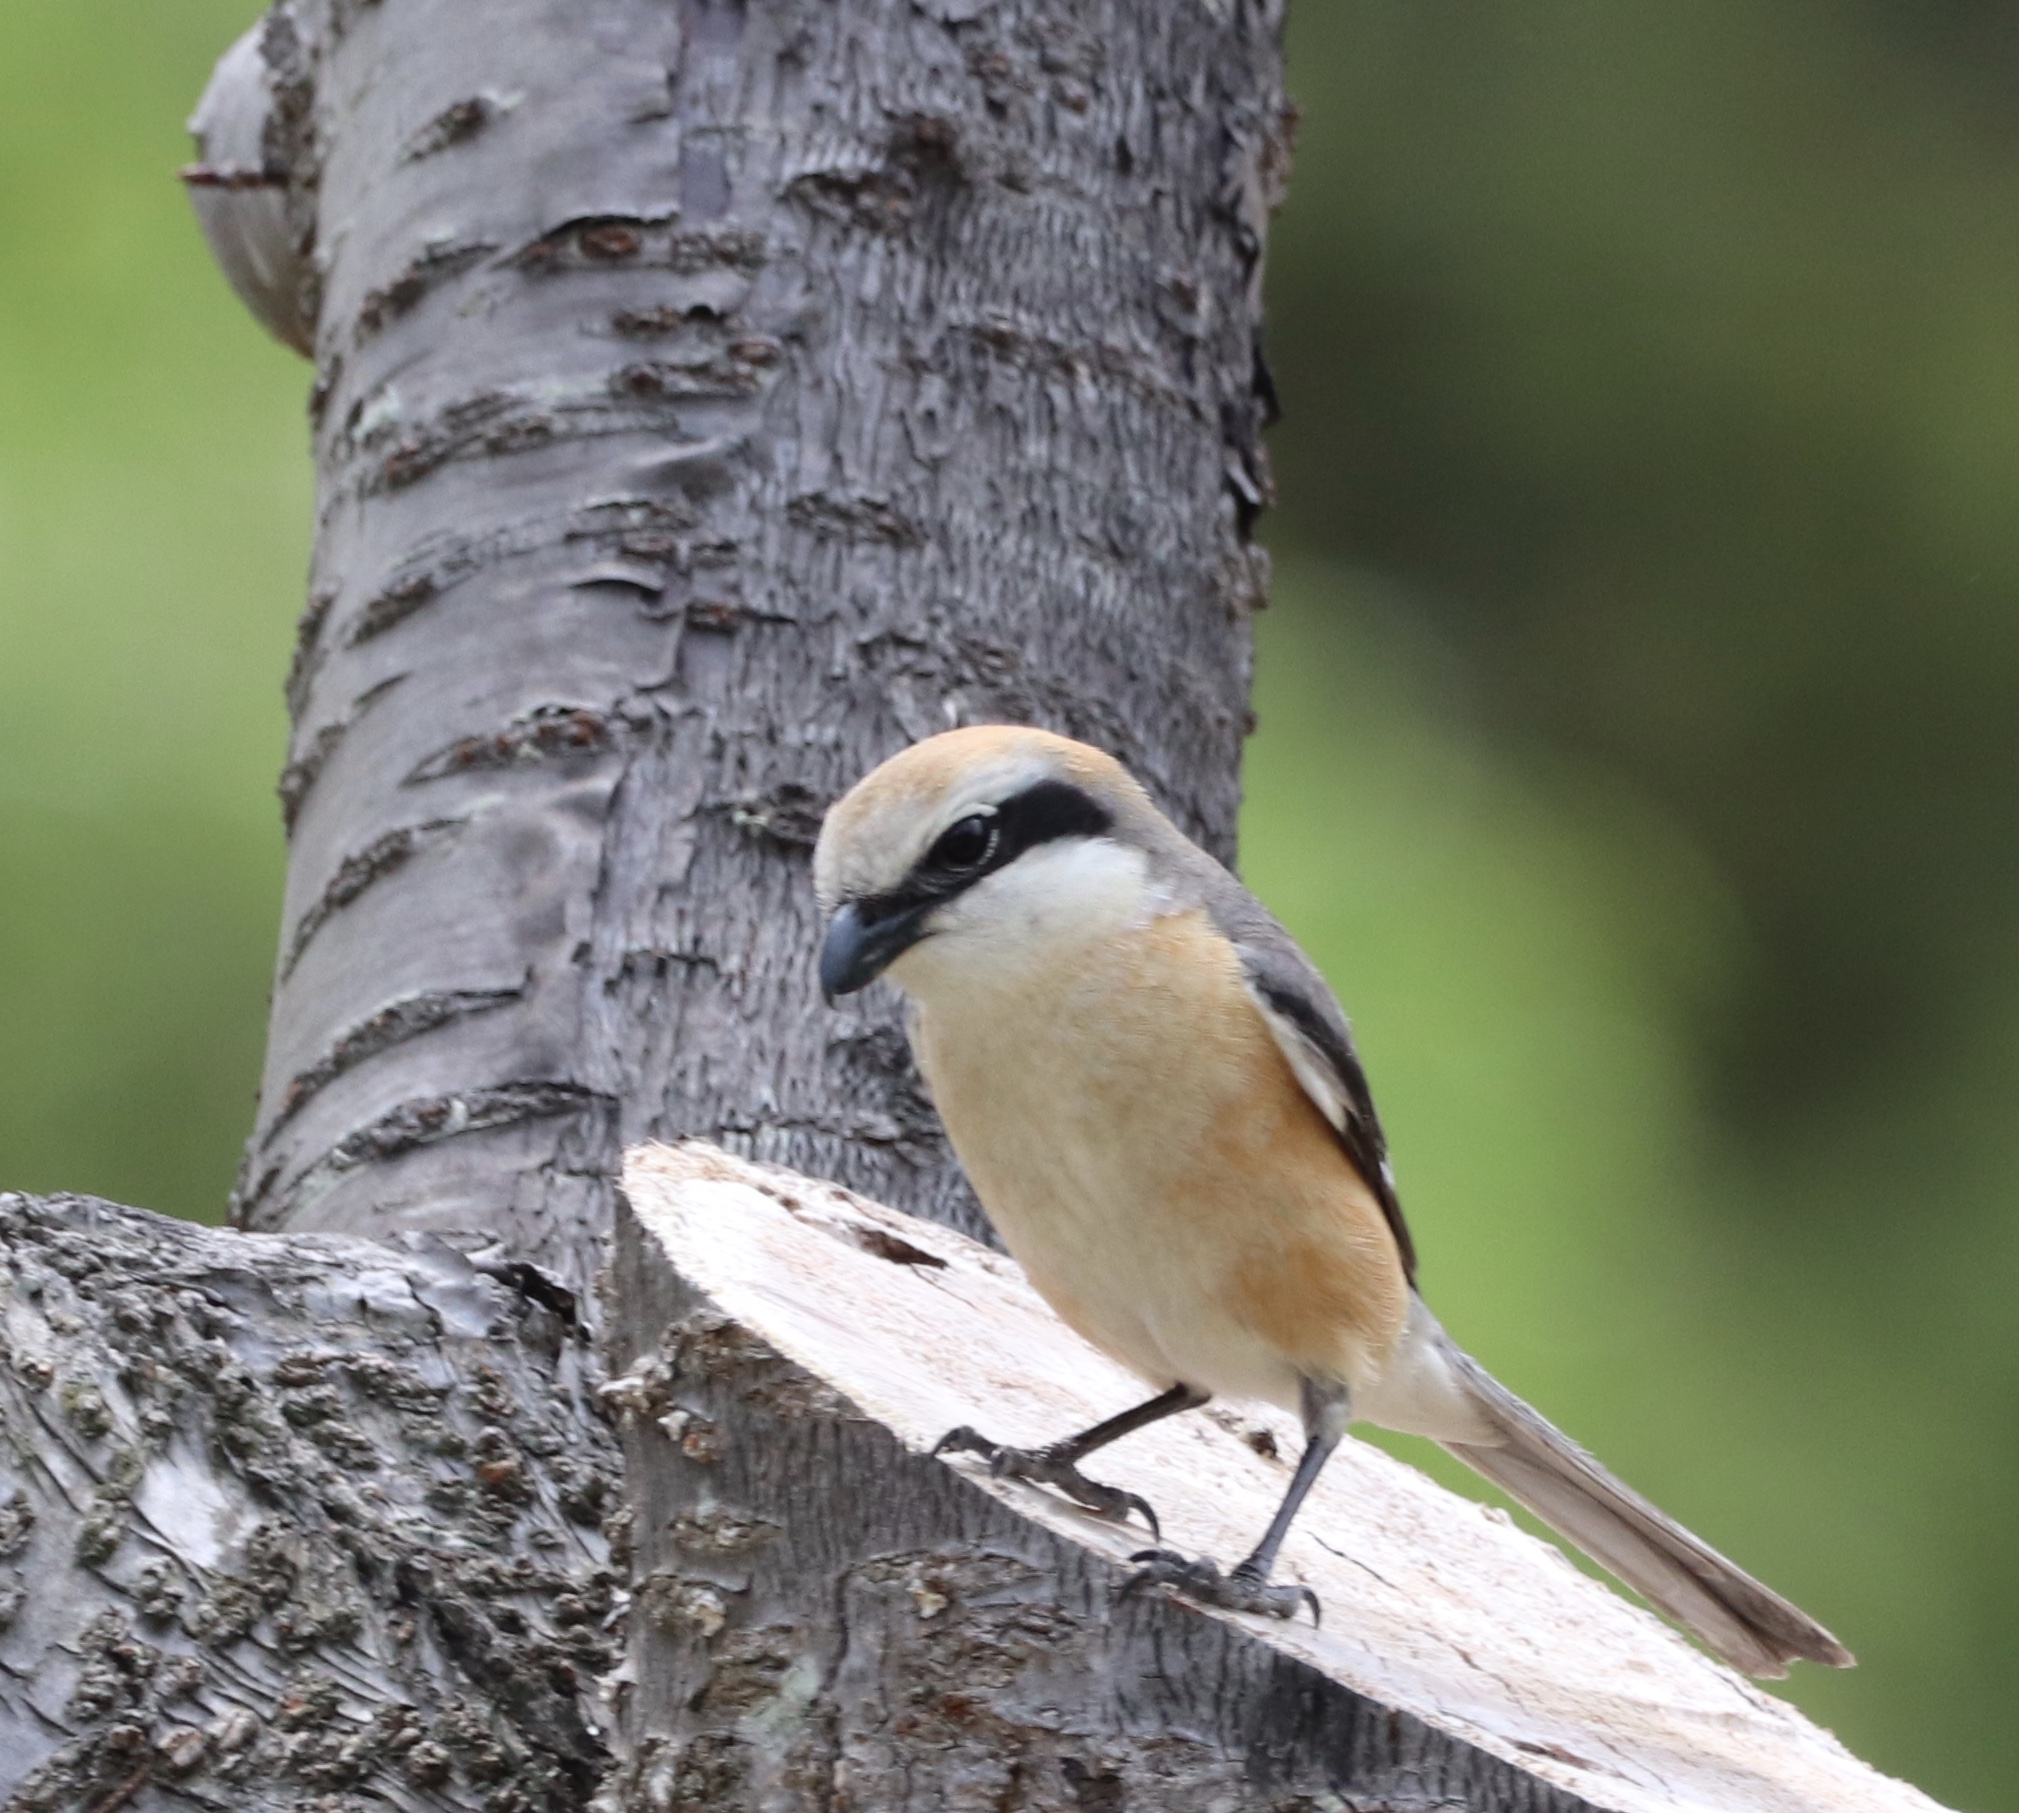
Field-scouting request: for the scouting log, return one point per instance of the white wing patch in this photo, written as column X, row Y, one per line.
column 1310, row 1065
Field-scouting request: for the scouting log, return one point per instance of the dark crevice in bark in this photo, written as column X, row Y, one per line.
column 645, row 534
column 547, row 733
column 423, row 1122
column 308, row 650
column 384, row 856
column 433, row 267
column 298, row 778
column 407, row 1018
column 398, row 601
column 457, row 122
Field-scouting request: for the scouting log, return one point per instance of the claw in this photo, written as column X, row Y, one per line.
column 1201, row 1579
column 1040, row 1467
column 1141, row 1506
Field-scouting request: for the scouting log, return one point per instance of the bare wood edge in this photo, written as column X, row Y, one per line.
column 786, row 1353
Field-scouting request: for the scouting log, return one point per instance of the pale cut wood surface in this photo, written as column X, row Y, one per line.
column 1434, row 1605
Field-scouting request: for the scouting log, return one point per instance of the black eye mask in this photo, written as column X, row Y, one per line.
column 985, row 841
column 866, row 936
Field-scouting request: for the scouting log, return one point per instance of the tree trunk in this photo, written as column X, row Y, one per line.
column 712, row 399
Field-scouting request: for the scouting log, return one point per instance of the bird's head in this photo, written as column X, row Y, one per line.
column 976, row 853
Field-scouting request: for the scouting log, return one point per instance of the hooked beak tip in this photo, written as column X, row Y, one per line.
column 843, row 955
column 858, row 950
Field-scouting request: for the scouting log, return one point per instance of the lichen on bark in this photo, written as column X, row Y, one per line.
column 294, row 1521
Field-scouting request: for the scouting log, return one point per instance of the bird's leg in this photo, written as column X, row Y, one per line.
column 1059, row 1466
column 1327, row 1410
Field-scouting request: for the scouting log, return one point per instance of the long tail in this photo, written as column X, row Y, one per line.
column 1752, row 1628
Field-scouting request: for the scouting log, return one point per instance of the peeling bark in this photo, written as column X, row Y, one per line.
column 710, row 399
column 240, row 186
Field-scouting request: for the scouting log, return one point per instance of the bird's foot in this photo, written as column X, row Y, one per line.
column 1041, row 1466
column 1244, row 1590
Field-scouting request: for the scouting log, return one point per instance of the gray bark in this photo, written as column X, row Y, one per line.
column 711, row 399
column 295, row 1521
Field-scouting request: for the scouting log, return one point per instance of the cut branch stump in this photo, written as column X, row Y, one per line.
column 829, row 1617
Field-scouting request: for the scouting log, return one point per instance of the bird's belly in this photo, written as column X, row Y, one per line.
column 1150, row 1162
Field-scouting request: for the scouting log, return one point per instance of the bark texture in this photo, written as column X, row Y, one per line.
column 295, row 1522
column 712, row 398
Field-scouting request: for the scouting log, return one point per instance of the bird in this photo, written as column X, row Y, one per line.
column 1158, row 1102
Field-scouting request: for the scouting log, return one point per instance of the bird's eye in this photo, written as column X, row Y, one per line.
column 965, row 845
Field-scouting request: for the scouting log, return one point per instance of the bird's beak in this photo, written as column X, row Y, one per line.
column 858, row 950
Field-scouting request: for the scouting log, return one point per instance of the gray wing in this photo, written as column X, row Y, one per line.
column 1310, row 1027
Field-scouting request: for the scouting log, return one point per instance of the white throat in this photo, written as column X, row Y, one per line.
column 1029, row 915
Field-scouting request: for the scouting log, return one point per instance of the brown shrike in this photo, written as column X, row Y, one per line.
column 1157, row 1099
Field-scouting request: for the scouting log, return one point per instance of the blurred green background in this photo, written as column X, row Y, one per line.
column 1640, row 745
